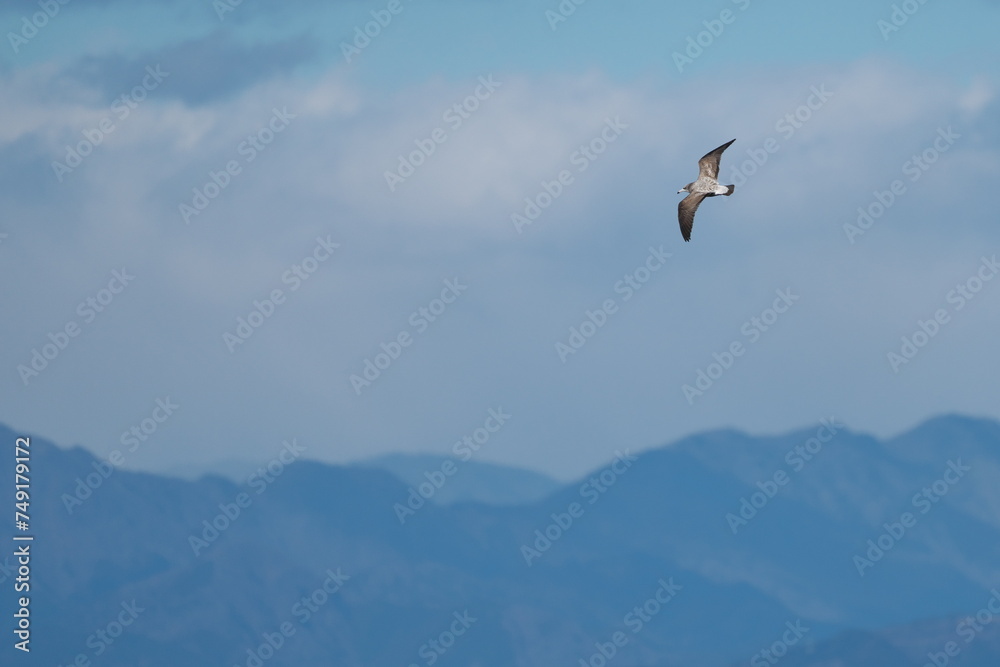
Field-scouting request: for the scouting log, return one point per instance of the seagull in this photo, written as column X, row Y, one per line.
column 705, row 186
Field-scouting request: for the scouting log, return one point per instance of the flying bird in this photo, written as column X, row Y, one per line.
column 707, row 185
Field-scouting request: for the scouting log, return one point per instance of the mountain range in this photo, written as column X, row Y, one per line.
column 815, row 548
column 488, row 483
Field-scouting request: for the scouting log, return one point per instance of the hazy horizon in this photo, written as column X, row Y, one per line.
column 189, row 469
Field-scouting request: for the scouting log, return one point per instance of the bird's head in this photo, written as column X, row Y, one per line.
column 686, row 188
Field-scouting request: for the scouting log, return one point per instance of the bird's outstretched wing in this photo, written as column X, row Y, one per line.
column 709, row 164
column 685, row 212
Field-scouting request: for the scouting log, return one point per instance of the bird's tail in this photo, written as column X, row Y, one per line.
column 731, row 189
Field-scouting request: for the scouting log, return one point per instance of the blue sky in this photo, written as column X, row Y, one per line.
column 831, row 110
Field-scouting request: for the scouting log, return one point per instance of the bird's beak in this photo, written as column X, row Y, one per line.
column 680, row 191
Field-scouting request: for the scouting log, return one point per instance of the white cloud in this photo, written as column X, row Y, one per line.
column 325, row 175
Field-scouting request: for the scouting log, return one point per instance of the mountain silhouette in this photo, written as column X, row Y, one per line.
column 703, row 552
